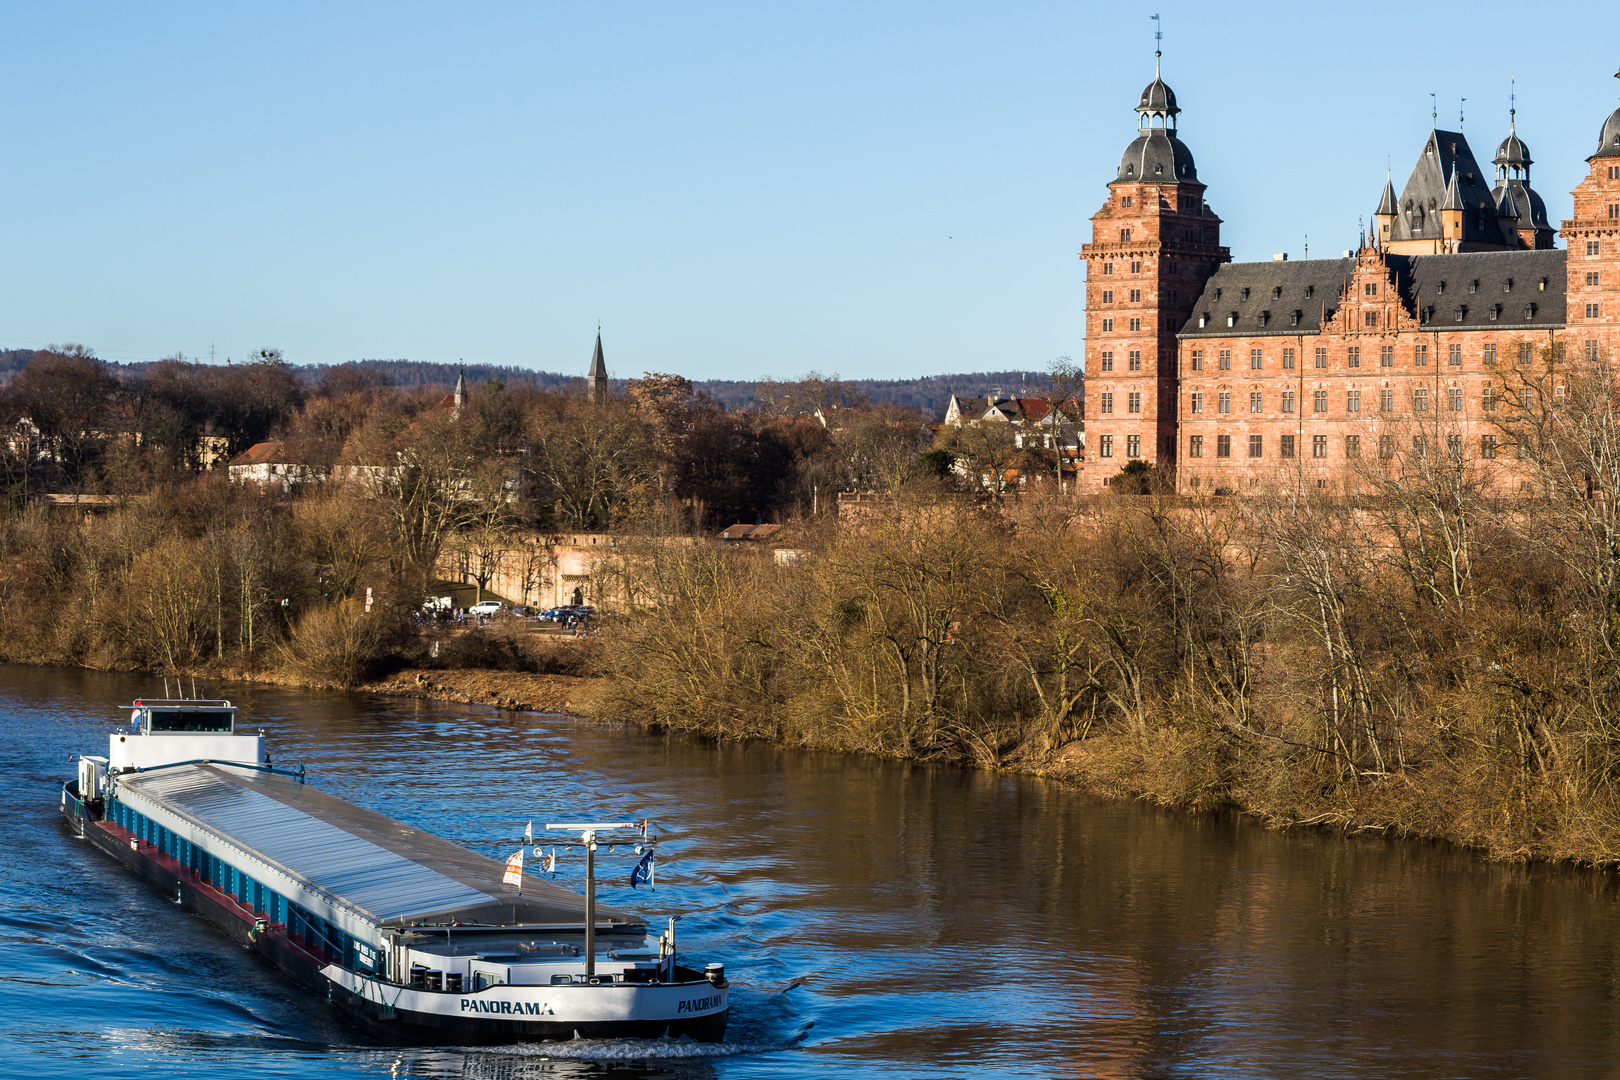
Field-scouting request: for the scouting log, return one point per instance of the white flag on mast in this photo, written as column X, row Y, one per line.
column 514, row 869
column 528, row 833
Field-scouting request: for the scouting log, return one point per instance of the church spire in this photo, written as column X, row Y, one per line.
column 596, row 381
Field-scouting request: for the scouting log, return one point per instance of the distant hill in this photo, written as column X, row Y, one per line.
column 927, row 394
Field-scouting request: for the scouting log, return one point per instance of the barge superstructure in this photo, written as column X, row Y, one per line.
column 410, row 936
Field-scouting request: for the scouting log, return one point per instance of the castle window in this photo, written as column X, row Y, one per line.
column 1496, row 312
column 1108, row 361
column 1454, row 356
column 1353, row 356
column 1254, row 359
column 1490, row 355
column 1105, row 446
column 1592, row 247
column 1462, row 312
column 1108, row 326
column 1287, row 448
column 1386, row 356
column 1254, row 401
column 1473, row 286
column 1226, row 360
column 1319, row 446
column 1352, row 446
column 1454, row 445
column 1108, row 296
column 1124, row 235
column 1370, row 318
column 1231, row 318
column 1223, row 446
column 1225, row 404
column 1420, row 356
column 1265, row 317
column 1108, row 268
column 1370, row 288
column 1526, row 352
column 1439, row 288
column 1487, row 446
column 1319, row 401
column 1136, row 296
column 1420, row 400
column 1134, row 402
column 1288, row 359
column 1488, row 398
column 1507, row 286
column 1352, row 401
column 1197, row 401
column 1136, row 324
column 1133, row 446
column 1386, row 400
column 1529, row 312
column 1106, row 404
column 1454, row 398
column 1542, row 285
column 1135, row 360
column 1126, row 201
column 1198, row 359
column 1288, row 401
column 1293, row 320
column 1136, row 267
column 1276, row 293
column 1203, row 320
column 1255, row 446
column 1591, row 277
column 1614, row 210
column 1195, row 446
column 1321, row 358
column 1386, row 446
column 1310, row 291
column 1591, row 352
column 1245, row 295
column 1591, row 311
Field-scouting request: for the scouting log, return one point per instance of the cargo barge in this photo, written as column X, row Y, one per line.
column 410, row 937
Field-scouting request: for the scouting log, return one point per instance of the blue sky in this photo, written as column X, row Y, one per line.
column 880, row 190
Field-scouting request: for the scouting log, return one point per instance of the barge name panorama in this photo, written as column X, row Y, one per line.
column 412, row 938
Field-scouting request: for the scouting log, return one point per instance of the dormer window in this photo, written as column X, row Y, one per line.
column 1462, row 312
column 1203, row 320
column 1542, row 284
column 1276, row 293
column 1265, row 317
column 1440, row 288
column 1217, row 292
column 1245, row 295
column 1294, row 319
column 1231, row 318
column 1507, row 286
column 1496, row 312
column 1529, row 312
column 1310, row 291
column 1473, row 286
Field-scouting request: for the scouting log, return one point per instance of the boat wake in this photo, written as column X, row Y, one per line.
column 628, row 1050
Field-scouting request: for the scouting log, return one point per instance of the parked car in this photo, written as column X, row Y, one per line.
column 486, row 607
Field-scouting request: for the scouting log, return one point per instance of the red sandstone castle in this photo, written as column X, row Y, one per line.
column 1219, row 372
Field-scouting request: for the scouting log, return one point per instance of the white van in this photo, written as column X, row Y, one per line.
column 486, row 607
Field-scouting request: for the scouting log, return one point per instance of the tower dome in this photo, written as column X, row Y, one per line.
column 1156, row 155
column 1512, row 155
column 1609, row 141
column 1157, row 100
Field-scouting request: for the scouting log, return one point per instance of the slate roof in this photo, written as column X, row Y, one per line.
column 598, row 365
column 1516, row 199
column 1156, row 154
column 1521, row 289
column 1609, row 138
column 1446, row 156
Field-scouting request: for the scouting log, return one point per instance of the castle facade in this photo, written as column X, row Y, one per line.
column 1219, row 372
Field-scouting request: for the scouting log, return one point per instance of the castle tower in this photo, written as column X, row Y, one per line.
column 1522, row 214
column 1593, row 237
column 459, row 398
column 1446, row 172
column 1154, row 244
column 596, row 381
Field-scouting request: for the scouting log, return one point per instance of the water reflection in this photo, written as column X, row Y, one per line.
column 875, row 917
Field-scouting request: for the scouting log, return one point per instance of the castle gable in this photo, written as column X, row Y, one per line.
column 1445, row 154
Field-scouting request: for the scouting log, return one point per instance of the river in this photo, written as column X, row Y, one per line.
column 877, row 918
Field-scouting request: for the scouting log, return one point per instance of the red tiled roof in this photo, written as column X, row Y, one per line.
column 272, row 452
column 749, row 532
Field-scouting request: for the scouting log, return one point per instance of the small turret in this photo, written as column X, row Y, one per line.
column 1384, row 216
column 1451, row 214
column 596, row 382
column 460, row 397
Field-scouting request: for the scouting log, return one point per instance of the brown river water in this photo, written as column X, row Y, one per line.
column 875, row 918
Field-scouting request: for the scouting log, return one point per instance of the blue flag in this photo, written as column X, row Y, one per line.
column 643, row 870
